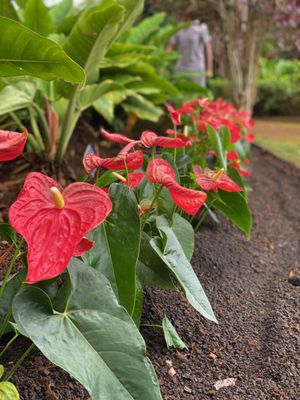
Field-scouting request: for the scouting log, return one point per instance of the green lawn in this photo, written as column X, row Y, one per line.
column 281, row 136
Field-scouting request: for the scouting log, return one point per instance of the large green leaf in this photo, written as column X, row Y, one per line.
column 170, row 251
column 24, row 52
column 8, row 391
column 93, row 339
column 92, row 35
column 7, row 233
column 140, row 33
column 121, row 244
column 37, row 17
column 152, row 271
column 60, row 11
column 217, row 145
column 235, row 207
column 91, row 93
column 142, row 107
column 17, row 96
column 183, row 231
column 133, row 9
column 11, row 289
column 7, row 10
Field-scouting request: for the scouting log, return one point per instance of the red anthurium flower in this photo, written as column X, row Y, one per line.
column 232, row 155
column 174, row 115
column 160, row 171
column 11, row 144
column 182, row 136
column 133, row 161
column 134, row 178
column 150, row 139
column 214, row 180
column 237, row 165
column 249, row 138
column 115, row 137
column 54, row 221
column 83, row 246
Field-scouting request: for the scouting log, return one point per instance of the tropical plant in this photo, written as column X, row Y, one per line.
column 67, row 65
column 91, row 248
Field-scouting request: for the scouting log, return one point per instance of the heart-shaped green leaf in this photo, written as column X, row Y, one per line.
column 94, row 339
column 117, row 244
column 173, row 256
column 8, row 391
column 24, row 52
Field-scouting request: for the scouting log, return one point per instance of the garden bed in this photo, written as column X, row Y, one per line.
column 257, row 339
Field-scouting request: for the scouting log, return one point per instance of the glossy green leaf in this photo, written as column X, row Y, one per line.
column 17, row 96
column 133, row 9
column 140, row 33
column 171, row 336
column 11, row 289
column 24, row 52
column 138, row 306
column 7, row 10
column 117, row 242
column 7, row 233
column 92, row 35
column 93, row 339
column 183, row 231
column 99, row 257
column 60, row 11
column 217, row 145
column 90, row 93
column 235, row 207
column 171, row 252
column 152, row 271
column 142, row 107
column 8, row 391
column 37, row 17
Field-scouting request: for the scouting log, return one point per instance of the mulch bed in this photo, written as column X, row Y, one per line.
column 257, row 341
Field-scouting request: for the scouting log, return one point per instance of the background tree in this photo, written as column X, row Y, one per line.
column 242, row 26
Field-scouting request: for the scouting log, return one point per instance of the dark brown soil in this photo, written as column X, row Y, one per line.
column 257, row 341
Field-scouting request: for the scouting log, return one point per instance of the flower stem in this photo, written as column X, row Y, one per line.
column 16, row 255
column 9, row 343
column 5, row 322
column 151, row 205
column 19, row 362
column 152, row 325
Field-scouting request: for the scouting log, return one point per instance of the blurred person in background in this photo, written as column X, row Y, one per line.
column 194, row 47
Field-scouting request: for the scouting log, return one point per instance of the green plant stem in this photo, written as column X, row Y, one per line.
column 5, row 322
column 33, row 143
column 9, row 344
column 70, row 119
column 202, row 216
column 151, row 205
column 17, row 120
column 126, row 172
column 43, row 124
column 153, row 151
column 152, row 325
column 36, row 130
column 19, row 362
column 17, row 253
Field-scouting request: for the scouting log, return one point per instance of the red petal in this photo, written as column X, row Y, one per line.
column 160, row 171
column 188, row 199
column 115, row 137
column 12, row 144
column 174, row 115
column 232, row 155
column 150, row 139
column 83, row 246
column 53, row 234
column 249, row 138
column 123, row 154
column 134, row 161
column 134, row 179
column 228, row 184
